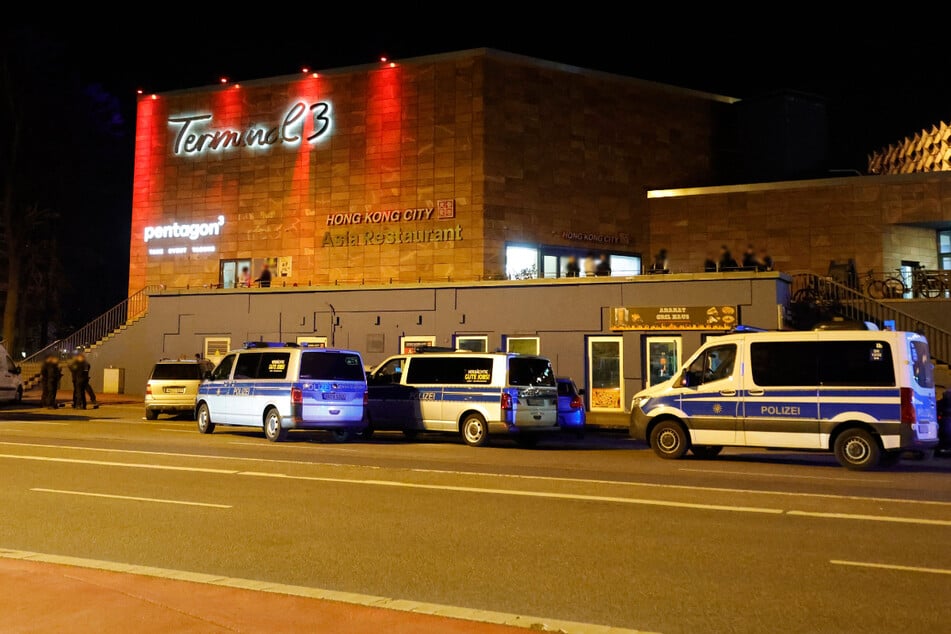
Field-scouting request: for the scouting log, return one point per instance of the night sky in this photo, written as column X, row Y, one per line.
column 879, row 83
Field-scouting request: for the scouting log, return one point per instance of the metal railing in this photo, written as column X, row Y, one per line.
column 121, row 314
column 856, row 306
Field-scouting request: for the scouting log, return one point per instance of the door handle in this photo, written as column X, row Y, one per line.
column 727, row 392
column 757, row 392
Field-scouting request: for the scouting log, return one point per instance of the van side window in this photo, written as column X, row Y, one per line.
column 247, row 365
column 223, row 370
column 863, row 363
column 715, row 364
column 273, row 365
column 921, row 363
column 330, row 366
column 390, row 372
column 454, row 370
column 788, row 363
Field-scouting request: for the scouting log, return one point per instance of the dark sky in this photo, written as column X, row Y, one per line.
column 880, row 81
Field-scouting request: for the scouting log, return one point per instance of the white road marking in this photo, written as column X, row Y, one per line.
column 868, row 564
column 133, row 498
column 872, row 518
column 784, row 475
column 108, row 463
column 651, row 485
column 535, row 623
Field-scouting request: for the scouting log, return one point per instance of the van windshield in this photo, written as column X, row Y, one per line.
column 921, row 363
column 531, row 371
column 177, row 372
column 331, row 366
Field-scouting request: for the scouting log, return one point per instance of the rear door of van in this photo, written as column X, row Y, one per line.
column 921, row 387
column 333, row 385
column 781, row 404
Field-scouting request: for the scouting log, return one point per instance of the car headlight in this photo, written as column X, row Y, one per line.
column 641, row 401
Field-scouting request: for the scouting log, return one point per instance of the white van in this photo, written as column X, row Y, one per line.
column 472, row 394
column 278, row 386
column 11, row 384
column 865, row 395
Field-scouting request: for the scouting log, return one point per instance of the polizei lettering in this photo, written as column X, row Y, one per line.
column 391, row 236
column 779, row 410
column 301, row 121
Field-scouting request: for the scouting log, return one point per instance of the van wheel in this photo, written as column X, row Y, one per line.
column 273, row 429
column 474, row 430
column 857, row 449
column 205, row 426
column 343, row 435
column 669, row 440
column 706, row 452
column 151, row 414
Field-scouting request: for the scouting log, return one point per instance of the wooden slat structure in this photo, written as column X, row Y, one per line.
column 927, row 151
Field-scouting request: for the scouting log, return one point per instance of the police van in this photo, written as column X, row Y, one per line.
column 864, row 395
column 279, row 386
column 472, row 394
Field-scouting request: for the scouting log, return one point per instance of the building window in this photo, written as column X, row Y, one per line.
column 472, row 343
column 625, row 265
column 313, row 342
column 663, row 359
column 528, row 262
column 521, row 263
column 234, row 273
column 522, row 345
column 606, row 373
column 944, row 249
column 409, row 345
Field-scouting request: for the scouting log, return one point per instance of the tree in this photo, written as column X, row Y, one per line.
column 14, row 125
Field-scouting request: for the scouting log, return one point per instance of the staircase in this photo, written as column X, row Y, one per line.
column 92, row 335
column 826, row 298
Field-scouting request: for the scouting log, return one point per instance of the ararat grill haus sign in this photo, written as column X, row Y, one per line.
column 674, row 318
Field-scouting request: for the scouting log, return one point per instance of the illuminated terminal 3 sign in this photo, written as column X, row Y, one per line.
column 195, row 136
column 191, row 232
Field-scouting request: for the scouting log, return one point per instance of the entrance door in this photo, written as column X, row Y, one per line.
column 605, row 374
column 662, row 359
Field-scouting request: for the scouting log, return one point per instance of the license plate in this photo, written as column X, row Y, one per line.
column 536, row 402
column 174, row 390
column 333, row 396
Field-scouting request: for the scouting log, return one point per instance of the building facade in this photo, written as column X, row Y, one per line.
column 465, row 166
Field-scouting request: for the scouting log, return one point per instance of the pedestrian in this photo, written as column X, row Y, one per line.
column 50, row 375
column 79, row 369
column 572, row 268
column 661, row 264
column 244, row 280
column 264, row 280
column 89, row 391
column 727, row 263
column 749, row 258
column 603, row 269
column 763, row 261
column 709, row 264
column 590, row 266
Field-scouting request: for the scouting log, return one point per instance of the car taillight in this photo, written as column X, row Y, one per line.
column 506, row 400
column 297, row 395
column 148, row 388
column 366, row 399
column 576, row 403
column 908, row 414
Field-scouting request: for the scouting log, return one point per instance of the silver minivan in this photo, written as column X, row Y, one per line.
column 472, row 394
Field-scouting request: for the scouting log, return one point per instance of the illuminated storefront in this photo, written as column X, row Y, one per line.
column 466, row 166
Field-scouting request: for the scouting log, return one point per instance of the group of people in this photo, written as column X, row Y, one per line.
column 753, row 260
column 51, row 375
column 264, row 281
column 592, row 268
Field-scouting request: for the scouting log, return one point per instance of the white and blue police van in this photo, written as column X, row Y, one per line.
column 864, row 395
column 467, row 393
column 280, row 386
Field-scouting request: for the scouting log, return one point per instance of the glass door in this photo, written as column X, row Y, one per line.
column 605, row 374
column 663, row 359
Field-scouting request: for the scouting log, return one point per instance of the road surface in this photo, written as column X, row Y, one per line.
column 598, row 531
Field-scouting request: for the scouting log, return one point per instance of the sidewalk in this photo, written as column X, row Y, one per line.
column 66, row 397
column 45, row 597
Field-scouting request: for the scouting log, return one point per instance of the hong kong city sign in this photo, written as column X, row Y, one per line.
column 196, row 134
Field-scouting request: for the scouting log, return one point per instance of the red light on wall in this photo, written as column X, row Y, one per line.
column 154, row 96
column 224, row 80
column 392, row 64
column 237, row 85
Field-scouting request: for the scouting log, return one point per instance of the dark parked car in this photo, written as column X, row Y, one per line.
column 571, row 415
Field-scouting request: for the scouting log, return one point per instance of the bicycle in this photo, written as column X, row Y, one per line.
column 925, row 283
column 889, row 287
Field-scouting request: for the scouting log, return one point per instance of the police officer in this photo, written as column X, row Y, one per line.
column 79, row 368
column 50, row 374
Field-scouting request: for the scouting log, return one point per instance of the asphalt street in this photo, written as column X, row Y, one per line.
column 596, row 531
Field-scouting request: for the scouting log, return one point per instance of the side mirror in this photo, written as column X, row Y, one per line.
column 207, row 376
column 581, row 392
column 17, row 369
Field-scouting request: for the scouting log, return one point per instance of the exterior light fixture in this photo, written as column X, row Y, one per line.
column 139, row 91
column 315, row 75
column 392, row 64
column 224, row 80
column 154, row 96
column 383, row 59
column 305, row 70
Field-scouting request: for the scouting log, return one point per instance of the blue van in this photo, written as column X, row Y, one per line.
column 279, row 387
